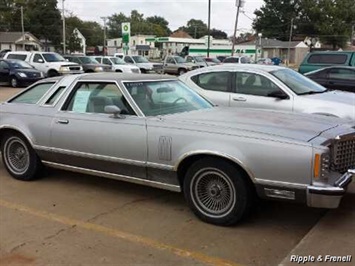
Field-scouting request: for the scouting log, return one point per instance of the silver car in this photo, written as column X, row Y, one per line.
column 269, row 87
column 154, row 130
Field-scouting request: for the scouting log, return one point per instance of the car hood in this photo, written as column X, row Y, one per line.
column 63, row 63
column 335, row 96
column 257, row 123
column 25, row 70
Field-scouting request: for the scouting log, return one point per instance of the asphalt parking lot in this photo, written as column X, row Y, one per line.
column 75, row 219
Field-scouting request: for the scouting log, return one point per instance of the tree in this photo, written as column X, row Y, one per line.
column 160, row 24
column 218, row 34
column 330, row 20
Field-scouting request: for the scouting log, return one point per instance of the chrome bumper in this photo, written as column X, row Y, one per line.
column 329, row 197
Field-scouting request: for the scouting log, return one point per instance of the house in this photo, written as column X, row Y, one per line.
column 16, row 41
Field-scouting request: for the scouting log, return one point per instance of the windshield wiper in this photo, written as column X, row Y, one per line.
column 312, row 92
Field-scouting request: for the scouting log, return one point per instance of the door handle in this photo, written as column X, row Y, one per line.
column 62, row 121
column 239, row 99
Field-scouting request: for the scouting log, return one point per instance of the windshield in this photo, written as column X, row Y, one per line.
column 117, row 61
column 179, row 59
column 199, row 59
column 140, row 59
column 53, row 57
column 165, row 97
column 19, row 64
column 88, row 60
column 214, row 60
column 298, row 83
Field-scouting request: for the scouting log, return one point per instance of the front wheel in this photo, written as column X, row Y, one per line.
column 217, row 191
column 14, row 82
column 19, row 158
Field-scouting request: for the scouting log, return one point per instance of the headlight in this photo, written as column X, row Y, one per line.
column 321, row 167
column 98, row 69
column 64, row 69
column 22, row 75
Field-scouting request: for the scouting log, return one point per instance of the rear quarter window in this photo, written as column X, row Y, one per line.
column 33, row 94
column 17, row 56
column 339, row 59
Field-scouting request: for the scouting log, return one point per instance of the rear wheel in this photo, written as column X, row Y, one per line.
column 19, row 158
column 181, row 71
column 217, row 191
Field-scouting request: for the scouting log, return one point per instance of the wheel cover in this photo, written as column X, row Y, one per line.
column 13, row 82
column 17, row 156
column 213, row 192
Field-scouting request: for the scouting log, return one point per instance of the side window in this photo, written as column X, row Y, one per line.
column 106, row 61
column 342, row 73
column 189, row 59
column 328, row 59
column 17, row 56
column 91, row 97
column 75, row 60
column 3, row 65
column 128, row 59
column 231, row 60
column 34, row 94
column 51, row 100
column 37, row 58
column 254, row 84
column 214, row 81
column 98, row 59
column 170, row 60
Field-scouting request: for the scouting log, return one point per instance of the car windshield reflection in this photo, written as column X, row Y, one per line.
column 298, row 83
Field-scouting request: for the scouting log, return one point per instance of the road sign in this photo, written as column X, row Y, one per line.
column 126, row 28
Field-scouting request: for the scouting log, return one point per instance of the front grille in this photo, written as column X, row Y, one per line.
column 74, row 68
column 343, row 154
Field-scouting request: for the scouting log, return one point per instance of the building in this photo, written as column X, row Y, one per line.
column 82, row 39
column 16, row 41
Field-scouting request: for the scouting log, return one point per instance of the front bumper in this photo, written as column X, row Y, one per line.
column 329, row 197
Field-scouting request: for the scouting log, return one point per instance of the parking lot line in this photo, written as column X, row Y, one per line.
column 119, row 234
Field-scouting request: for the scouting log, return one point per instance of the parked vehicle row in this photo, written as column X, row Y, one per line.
column 156, row 131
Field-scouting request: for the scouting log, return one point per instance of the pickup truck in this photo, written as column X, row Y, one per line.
column 177, row 65
column 321, row 59
column 51, row 64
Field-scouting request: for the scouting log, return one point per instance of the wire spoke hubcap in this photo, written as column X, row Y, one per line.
column 214, row 192
column 17, row 156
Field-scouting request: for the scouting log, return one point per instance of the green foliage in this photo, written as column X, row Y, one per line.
column 330, row 20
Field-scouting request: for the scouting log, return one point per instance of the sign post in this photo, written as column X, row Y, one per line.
column 126, row 34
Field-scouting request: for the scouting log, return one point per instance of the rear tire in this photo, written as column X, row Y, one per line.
column 52, row 73
column 20, row 159
column 217, row 191
column 181, row 71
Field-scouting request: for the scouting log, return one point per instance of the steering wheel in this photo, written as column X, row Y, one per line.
column 180, row 99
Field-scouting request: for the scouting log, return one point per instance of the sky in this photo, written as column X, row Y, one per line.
column 176, row 12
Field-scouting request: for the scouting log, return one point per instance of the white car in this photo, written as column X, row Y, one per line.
column 268, row 87
column 117, row 64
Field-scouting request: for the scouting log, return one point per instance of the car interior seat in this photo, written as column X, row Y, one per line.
column 96, row 104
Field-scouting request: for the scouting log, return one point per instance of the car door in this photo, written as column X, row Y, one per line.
column 170, row 66
column 341, row 79
column 39, row 63
column 253, row 90
column 4, row 72
column 84, row 136
column 216, row 86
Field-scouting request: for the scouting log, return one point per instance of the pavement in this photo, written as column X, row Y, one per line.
column 333, row 235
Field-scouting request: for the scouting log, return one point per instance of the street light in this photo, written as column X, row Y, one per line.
column 256, row 45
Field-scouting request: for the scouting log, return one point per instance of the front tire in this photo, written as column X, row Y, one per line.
column 14, row 82
column 19, row 158
column 217, row 191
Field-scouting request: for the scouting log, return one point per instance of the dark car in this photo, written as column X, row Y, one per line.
column 335, row 77
column 88, row 63
column 18, row 73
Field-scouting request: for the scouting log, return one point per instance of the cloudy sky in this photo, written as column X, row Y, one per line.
column 176, row 12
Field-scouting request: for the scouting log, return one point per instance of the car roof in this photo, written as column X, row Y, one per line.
column 124, row 77
column 231, row 67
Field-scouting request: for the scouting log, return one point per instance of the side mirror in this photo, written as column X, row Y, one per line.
column 40, row 60
column 114, row 110
column 278, row 94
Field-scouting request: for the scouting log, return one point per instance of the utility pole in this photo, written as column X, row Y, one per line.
column 289, row 43
column 23, row 30
column 104, row 48
column 64, row 41
column 209, row 27
column 239, row 4
column 352, row 37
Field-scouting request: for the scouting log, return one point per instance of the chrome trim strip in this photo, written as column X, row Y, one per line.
column 280, row 184
column 114, row 176
column 220, row 154
column 106, row 158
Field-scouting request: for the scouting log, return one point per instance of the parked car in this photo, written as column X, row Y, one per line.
column 221, row 57
column 237, row 60
column 317, row 60
column 211, row 61
column 51, row 64
column 177, row 65
column 18, row 73
column 264, row 61
column 88, row 63
column 143, row 63
column 196, row 59
column 335, row 77
column 117, row 64
column 154, row 130
column 269, row 87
